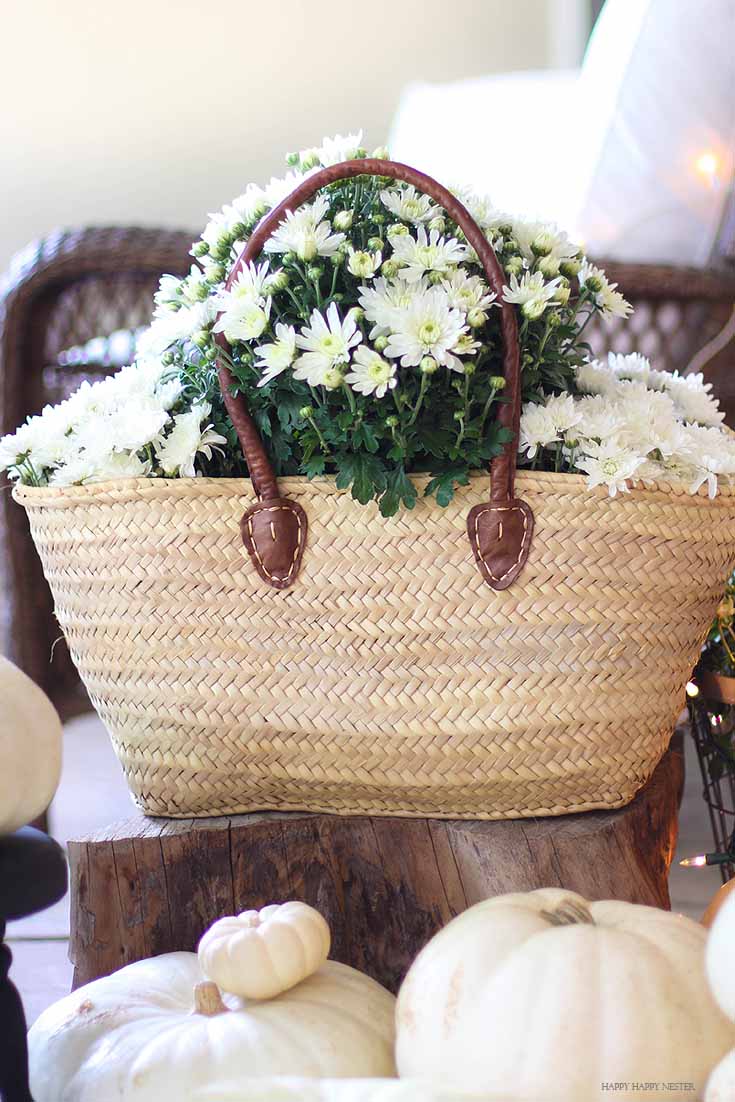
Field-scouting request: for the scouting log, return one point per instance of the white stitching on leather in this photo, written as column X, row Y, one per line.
column 501, row 509
column 275, row 509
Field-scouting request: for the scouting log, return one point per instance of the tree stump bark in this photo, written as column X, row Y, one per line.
column 149, row 886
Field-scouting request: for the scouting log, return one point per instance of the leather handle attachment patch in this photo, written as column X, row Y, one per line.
column 500, row 535
column 274, row 533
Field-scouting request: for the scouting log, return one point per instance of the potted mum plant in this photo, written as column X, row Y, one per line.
column 353, row 347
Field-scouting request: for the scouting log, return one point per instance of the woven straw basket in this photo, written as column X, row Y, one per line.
column 345, row 662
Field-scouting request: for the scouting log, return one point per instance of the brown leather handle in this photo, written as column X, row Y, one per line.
column 500, row 532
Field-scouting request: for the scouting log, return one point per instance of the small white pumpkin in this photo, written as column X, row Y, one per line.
column 158, row 1031
column 720, row 959
column 259, row 954
column 546, row 995
column 30, row 748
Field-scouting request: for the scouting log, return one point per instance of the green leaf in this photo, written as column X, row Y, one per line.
column 399, row 490
column 366, row 438
column 314, row 466
column 434, row 441
column 442, row 485
column 364, row 473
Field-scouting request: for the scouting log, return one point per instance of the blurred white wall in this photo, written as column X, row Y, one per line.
column 157, row 111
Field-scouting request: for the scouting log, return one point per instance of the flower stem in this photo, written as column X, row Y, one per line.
column 419, row 401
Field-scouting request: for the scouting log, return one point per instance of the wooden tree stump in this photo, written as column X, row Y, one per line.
column 149, row 886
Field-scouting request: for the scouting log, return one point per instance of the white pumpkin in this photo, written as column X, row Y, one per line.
column 546, row 995
column 259, row 954
column 30, row 748
column 720, row 959
column 142, row 1035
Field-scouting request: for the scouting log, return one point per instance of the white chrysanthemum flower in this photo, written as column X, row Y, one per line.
column 383, row 302
column 408, row 204
column 169, row 294
column 530, row 292
column 194, row 288
column 245, row 307
column 538, row 429
column 306, row 233
column 564, row 411
column 279, row 188
column 371, row 374
column 334, row 150
column 468, row 292
column 599, row 418
column 542, row 238
column 710, row 452
column 174, row 327
column 633, row 366
column 609, row 301
column 177, row 452
column 244, row 320
column 693, row 399
column 426, row 253
column 595, row 378
column 327, row 343
column 363, row 265
column 275, row 358
column 428, row 326
column 248, row 206
column 610, row 464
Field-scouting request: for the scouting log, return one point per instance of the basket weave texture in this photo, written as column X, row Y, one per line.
column 389, row 679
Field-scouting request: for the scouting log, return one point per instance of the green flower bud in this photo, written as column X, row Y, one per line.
column 221, row 250
column 201, row 338
column 357, row 313
column 315, row 272
column 343, row 220
column 379, row 218
column 390, row 268
column 542, row 243
column 470, row 369
column 380, row 344
column 289, row 258
column 534, row 308
column 428, row 365
column 505, row 229
column 310, row 159
column 548, row 266
column 214, row 273
column 381, row 153
column 593, row 283
column 554, row 319
column 278, row 281
column 497, row 382
column 306, row 412
column 513, row 266
column 392, row 422
column 292, row 159
column 201, row 291
column 511, row 247
column 459, row 415
column 435, row 278
column 338, row 258
column 376, row 244
column 569, row 268
column 201, row 248
column 239, row 230
column 360, row 153
column 167, row 358
column 210, row 353
column 438, row 223
column 333, row 379
column 397, row 229
column 476, row 318
column 561, row 294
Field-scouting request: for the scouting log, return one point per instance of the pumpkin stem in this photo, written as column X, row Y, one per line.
column 207, row 999
column 569, row 913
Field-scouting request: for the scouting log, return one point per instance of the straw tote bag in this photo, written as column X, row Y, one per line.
column 521, row 652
